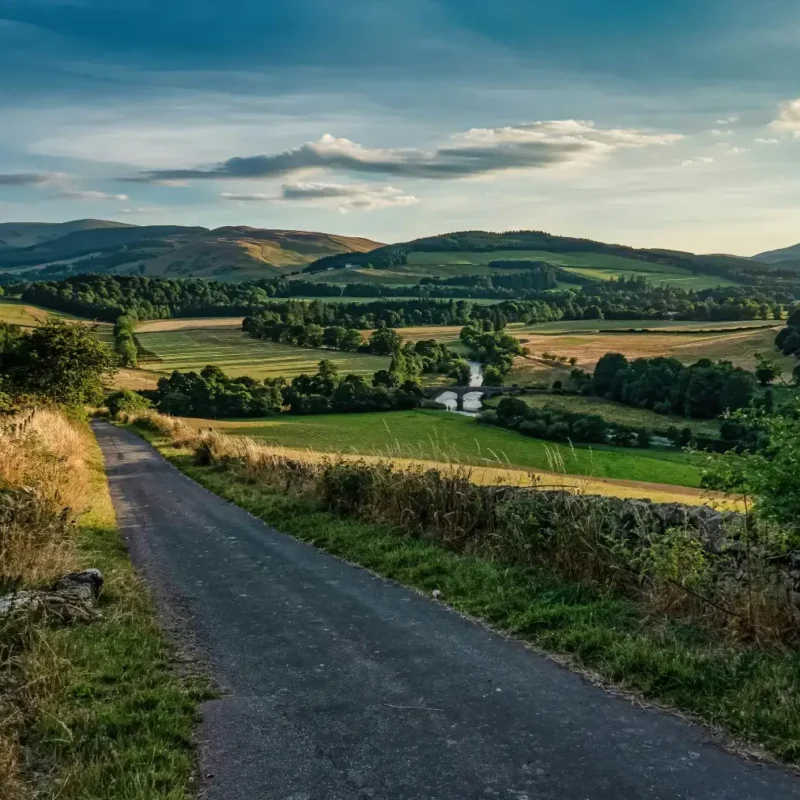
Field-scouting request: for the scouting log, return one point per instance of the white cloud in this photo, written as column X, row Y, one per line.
column 727, row 121
column 75, row 194
column 767, row 141
column 788, row 118
column 728, row 149
column 718, row 132
column 701, row 160
column 480, row 151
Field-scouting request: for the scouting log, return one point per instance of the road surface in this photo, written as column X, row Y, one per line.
column 341, row 686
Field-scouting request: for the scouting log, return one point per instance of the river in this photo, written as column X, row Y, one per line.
column 472, row 400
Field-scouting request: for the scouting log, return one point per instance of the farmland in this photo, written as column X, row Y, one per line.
column 26, row 315
column 739, row 346
column 436, row 436
column 237, row 354
column 446, row 264
column 597, row 326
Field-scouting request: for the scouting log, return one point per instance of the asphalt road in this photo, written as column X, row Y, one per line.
column 339, row 685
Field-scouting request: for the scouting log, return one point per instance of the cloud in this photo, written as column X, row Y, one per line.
column 75, row 194
column 255, row 197
column 353, row 197
column 692, row 161
column 727, row 121
column 767, row 141
column 718, row 132
column 480, row 151
column 29, row 178
column 788, row 118
column 729, row 149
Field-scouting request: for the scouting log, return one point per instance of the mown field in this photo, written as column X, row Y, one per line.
column 237, row 354
column 595, row 266
column 437, row 436
column 585, row 325
column 739, row 347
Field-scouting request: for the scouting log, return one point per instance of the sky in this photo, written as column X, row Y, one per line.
column 672, row 123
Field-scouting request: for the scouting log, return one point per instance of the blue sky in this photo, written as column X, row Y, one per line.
column 673, row 124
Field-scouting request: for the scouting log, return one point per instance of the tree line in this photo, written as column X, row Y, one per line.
column 110, row 296
column 213, row 394
column 702, row 390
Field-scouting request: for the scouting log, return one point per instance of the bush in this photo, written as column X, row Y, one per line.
column 126, row 401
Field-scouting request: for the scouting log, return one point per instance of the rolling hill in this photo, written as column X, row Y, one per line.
column 778, row 257
column 40, row 250
column 471, row 253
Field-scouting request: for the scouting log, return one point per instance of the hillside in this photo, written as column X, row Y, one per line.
column 28, row 234
column 472, row 253
column 777, row 256
column 229, row 253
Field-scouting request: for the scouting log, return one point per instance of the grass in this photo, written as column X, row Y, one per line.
column 617, row 412
column 438, row 436
column 238, row 354
column 27, row 315
column 596, row 266
column 107, row 715
column 749, row 691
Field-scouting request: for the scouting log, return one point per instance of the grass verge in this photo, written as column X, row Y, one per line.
column 113, row 719
column 749, row 692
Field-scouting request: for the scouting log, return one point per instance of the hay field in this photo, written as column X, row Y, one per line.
column 238, row 354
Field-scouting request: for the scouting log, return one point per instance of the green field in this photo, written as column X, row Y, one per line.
column 237, row 354
column 25, row 314
column 595, row 266
column 616, row 412
column 438, row 436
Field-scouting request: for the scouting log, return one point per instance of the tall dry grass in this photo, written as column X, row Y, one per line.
column 44, row 485
column 735, row 579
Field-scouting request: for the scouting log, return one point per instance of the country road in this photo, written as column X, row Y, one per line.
column 338, row 685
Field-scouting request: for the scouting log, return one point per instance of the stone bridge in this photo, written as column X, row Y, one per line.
column 461, row 391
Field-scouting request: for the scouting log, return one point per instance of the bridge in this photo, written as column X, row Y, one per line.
column 460, row 391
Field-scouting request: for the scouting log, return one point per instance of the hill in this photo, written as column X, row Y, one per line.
column 778, row 256
column 230, row 253
column 475, row 253
column 28, row 234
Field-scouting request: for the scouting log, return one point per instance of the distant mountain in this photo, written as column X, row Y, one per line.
column 776, row 256
column 27, row 234
column 40, row 250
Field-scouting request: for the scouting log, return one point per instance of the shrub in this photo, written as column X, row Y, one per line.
column 127, row 401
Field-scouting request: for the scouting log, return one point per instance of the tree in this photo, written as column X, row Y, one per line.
column 593, row 312
column 606, row 370
column 766, row 370
column 768, row 476
column 62, row 362
column 384, row 342
column 493, row 376
column 351, row 340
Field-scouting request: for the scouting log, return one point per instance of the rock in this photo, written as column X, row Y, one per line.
column 71, row 598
